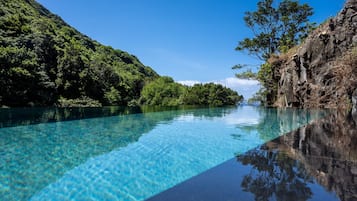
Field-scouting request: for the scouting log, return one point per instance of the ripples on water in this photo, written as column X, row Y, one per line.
column 43, row 157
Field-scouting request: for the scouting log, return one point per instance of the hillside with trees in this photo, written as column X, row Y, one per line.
column 46, row 62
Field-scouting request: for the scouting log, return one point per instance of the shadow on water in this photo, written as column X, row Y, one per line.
column 324, row 152
column 39, row 153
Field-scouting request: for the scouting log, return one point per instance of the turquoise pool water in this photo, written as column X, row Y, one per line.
column 134, row 156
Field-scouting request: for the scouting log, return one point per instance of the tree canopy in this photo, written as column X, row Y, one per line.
column 44, row 61
column 165, row 92
column 276, row 26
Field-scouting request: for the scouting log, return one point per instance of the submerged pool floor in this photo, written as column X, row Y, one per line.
column 132, row 157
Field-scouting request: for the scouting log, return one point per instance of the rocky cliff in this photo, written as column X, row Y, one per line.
column 322, row 71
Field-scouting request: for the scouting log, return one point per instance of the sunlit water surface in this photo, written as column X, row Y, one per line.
column 134, row 156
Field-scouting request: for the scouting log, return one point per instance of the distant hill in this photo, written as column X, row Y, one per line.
column 44, row 61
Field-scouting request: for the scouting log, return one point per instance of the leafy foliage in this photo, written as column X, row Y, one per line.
column 164, row 91
column 238, row 66
column 248, row 74
column 44, row 61
column 276, row 29
column 266, row 76
column 211, row 94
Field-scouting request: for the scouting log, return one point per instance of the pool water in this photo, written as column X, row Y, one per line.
column 133, row 156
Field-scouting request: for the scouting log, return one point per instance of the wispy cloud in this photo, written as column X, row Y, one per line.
column 233, row 82
column 245, row 87
column 189, row 82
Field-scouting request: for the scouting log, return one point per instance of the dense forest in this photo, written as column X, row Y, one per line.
column 46, row 62
column 165, row 92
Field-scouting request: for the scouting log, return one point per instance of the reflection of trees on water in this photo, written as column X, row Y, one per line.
column 26, row 116
column 274, row 176
column 324, row 152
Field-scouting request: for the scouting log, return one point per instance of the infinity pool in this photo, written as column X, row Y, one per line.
column 132, row 156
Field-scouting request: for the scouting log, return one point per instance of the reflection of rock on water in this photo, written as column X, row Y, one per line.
column 328, row 150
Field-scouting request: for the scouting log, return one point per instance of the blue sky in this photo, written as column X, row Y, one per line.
column 189, row 40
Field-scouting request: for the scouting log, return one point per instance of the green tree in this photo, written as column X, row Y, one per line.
column 163, row 91
column 211, row 94
column 248, row 75
column 70, row 65
column 113, row 96
column 17, row 74
column 276, row 28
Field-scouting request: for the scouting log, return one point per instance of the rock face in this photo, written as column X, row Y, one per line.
column 322, row 71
